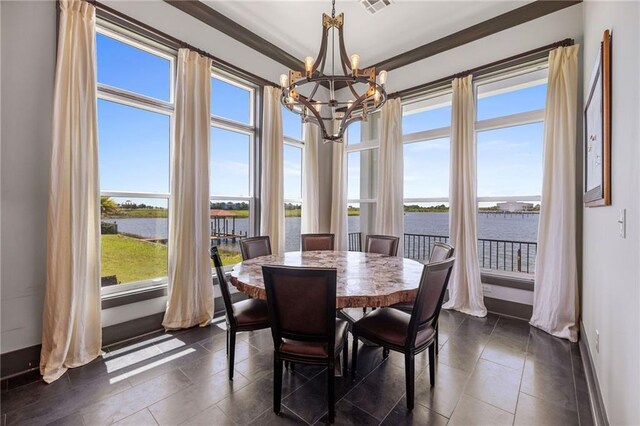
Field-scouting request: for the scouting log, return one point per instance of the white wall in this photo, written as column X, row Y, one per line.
column 611, row 279
column 28, row 57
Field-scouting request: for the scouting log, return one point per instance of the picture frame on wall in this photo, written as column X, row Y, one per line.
column 597, row 130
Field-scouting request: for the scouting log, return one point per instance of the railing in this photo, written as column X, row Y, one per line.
column 504, row 255
column 355, row 241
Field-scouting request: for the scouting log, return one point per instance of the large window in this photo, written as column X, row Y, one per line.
column 426, row 127
column 232, row 164
column 509, row 126
column 293, row 151
column 135, row 108
column 509, row 132
column 135, row 105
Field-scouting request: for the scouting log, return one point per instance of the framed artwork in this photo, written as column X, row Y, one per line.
column 597, row 130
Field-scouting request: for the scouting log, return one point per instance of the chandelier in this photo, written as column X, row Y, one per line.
column 365, row 88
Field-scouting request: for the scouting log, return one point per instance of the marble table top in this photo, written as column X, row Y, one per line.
column 364, row 279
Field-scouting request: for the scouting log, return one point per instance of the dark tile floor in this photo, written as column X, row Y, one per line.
column 490, row 371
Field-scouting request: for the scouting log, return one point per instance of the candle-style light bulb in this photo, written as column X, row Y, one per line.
column 355, row 63
column 308, row 64
column 317, row 106
column 349, row 104
column 376, row 96
column 284, row 80
column 383, row 78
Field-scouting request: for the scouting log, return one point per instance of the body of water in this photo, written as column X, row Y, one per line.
column 492, row 226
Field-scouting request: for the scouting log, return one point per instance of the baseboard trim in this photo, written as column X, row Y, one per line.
column 595, row 396
column 509, row 308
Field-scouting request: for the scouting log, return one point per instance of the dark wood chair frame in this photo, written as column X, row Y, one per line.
column 329, row 338
column 409, row 349
column 449, row 250
column 304, row 236
column 249, row 240
column 396, row 241
column 232, row 325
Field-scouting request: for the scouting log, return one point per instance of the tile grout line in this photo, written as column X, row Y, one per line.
column 492, row 362
column 526, row 356
column 575, row 388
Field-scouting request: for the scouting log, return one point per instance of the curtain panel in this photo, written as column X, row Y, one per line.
column 71, row 328
column 310, row 191
column 190, row 297
column 390, row 207
column 272, row 185
column 465, row 287
column 555, row 296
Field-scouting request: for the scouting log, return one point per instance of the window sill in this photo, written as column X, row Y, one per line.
column 517, row 280
column 127, row 297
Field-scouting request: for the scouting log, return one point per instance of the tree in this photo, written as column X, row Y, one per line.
column 108, row 206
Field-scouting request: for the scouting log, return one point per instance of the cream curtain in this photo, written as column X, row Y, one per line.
column 339, row 197
column 465, row 287
column 272, row 211
column 555, row 300
column 71, row 330
column 389, row 208
column 310, row 190
column 190, row 298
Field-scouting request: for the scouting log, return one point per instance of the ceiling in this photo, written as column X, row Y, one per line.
column 295, row 26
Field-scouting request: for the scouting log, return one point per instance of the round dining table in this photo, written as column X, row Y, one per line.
column 363, row 279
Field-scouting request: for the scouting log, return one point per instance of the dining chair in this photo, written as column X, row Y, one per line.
column 382, row 244
column 409, row 334
column 439, row 252
column 302, row 310
column 255, row 247
column 312, row 242
column 245, row 315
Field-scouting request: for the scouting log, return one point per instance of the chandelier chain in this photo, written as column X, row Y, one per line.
column 333, row 8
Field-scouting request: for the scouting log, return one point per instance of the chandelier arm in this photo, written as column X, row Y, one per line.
column 349, row 111
column 310, row 107
column 321, row 72
column 344, row 57
column 323, row 50
column 353, row 91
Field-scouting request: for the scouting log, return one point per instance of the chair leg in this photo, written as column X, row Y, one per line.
column 227, row 339
column 232, row 352
column 432, row 365
column 437, row 344
column 364, row 310
column 385, row 353
column 331, row 378
column 410, row 378
column 345, row 357
column 277, row 382
column 354, row 356
column 286, row 364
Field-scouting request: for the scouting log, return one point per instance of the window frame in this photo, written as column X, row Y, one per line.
column 249, row 130
column 527, row 76
column 146, row 103
column 296, row 143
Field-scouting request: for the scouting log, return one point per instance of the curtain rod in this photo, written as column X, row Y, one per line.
column 176, row 43
column 483, row 69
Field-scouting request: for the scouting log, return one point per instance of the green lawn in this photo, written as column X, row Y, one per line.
column 131, row 259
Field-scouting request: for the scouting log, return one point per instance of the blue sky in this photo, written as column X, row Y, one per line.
column 134, row 143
